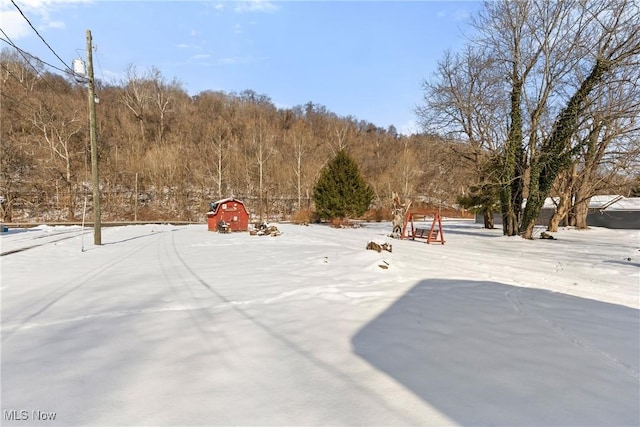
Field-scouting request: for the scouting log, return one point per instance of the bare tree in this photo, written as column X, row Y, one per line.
column 464, row 102
column 606, row 149
column 164, row 96
column 531, row 42
column 563, row 187
column 341, row 131
column 612, row 30
column 18, row 68
column 216, row 149
column 263, row 150
column 299, row 135
column 538, row 44
column 403, row 169
column 59, row 132
column 136, row 97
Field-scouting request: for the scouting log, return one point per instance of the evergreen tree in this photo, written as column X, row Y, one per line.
column 482, row 198
column 341, row 192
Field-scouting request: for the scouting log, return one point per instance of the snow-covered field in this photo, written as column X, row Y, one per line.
column 175, row 325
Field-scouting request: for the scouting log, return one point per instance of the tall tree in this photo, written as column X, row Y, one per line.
column 611, row 27
column 537, row 45
column 299, row 135
column 464, row 102
column 60, row 135
column 341, row 192
column 137, row 98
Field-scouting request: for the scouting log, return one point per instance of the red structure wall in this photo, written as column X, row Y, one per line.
column 231, row 211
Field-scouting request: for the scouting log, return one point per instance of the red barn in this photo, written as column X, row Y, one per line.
column 230, row 211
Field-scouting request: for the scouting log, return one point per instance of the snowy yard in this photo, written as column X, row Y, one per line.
column 175, row 325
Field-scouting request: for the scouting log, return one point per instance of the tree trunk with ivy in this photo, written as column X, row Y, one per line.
column 512, row 181
column 555, row 155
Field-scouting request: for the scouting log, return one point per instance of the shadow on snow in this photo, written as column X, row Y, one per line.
column 485, row 353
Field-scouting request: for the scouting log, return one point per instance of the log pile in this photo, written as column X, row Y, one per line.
column 265, row 229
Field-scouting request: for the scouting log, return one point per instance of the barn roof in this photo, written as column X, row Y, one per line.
column 604, row 201
column 213, row 206
column 228, row 199
column 609, row 202
column 624, row 204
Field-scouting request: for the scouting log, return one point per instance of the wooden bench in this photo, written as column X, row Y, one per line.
column 421, row 233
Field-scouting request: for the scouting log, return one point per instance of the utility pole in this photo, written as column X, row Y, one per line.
column 97, row 223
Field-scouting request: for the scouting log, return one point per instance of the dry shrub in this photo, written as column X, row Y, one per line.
column 445, row 212
column 303, row 216
column 149, row 213
column 342, row 223
column 378, row 215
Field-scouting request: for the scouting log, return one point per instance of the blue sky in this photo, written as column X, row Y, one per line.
column 361, row 58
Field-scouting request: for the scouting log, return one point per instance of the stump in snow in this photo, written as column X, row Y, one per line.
column 399, row 211
column 379, row 247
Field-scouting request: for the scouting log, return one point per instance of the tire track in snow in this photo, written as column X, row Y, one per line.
column 24, row 248
column 166, row 254
column 290, row 346
column 46, row 234
column 181, row 280
column 7, row 326
column 61, row 292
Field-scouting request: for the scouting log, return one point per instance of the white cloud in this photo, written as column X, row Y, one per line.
column 201, row 56
column 112, row 76
column 227, row 61
column 237, row 29
column 408, row 128
column 55, row 24
column 282, row 106
column 255, row 6
column 232, row 60
column 461, row 14
column 14, row 26
column 37, row 11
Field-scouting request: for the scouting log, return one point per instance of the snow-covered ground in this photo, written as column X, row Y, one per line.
column 175, row 325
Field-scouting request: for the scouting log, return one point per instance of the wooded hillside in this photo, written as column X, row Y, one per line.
column 164, row 154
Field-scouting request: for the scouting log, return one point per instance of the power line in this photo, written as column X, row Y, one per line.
column 41, row 38
column 24, row 55
column 21, row 52
column 24, row 52
column 99, row 65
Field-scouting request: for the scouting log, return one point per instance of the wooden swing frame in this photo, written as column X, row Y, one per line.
column 435, row 234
